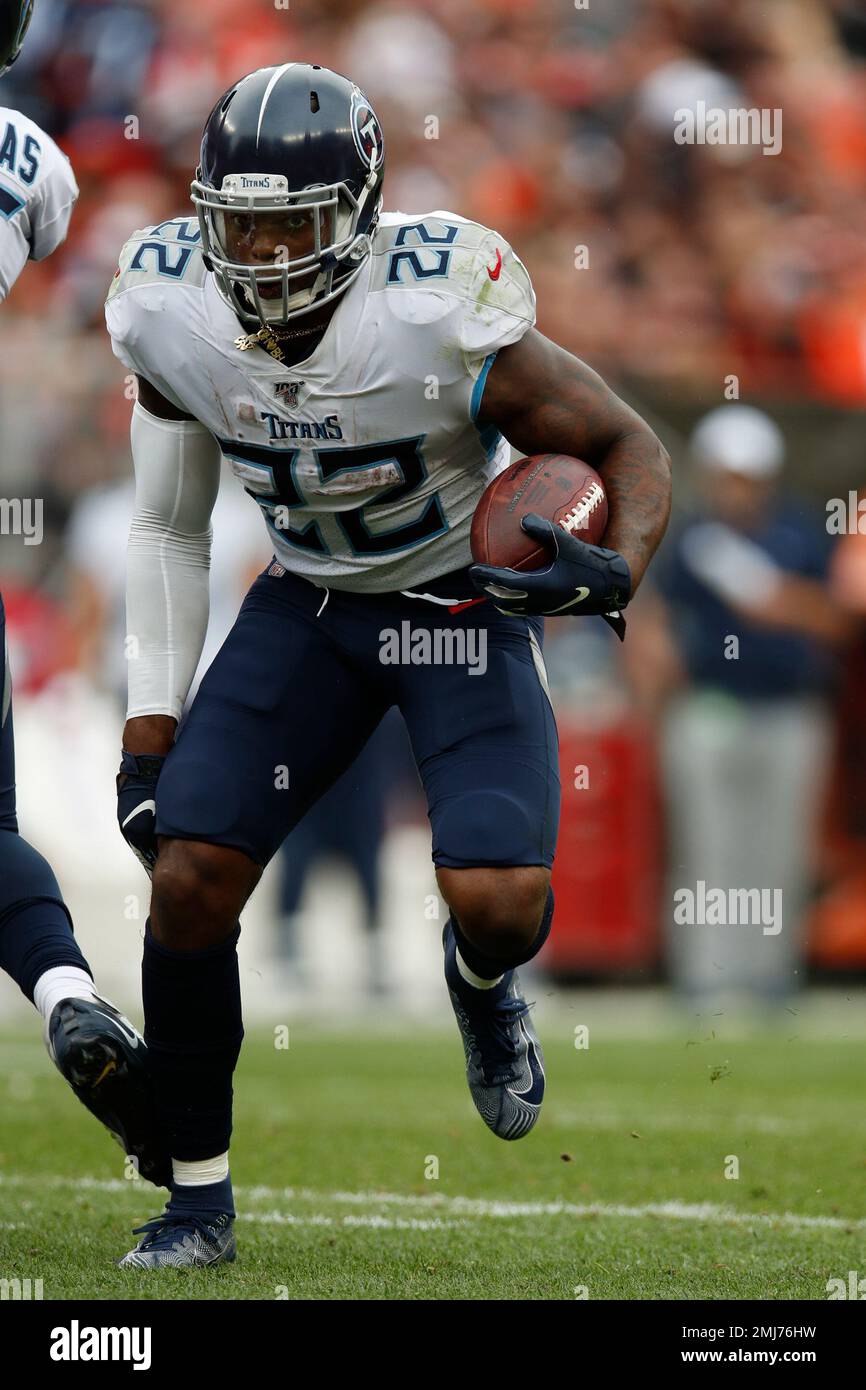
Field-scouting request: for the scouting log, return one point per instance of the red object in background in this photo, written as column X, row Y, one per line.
column 832, row 333
column 40, row 639
column 609, row 863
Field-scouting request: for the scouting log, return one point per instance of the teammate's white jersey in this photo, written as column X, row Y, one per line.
column 365, row 457
column 37, row 195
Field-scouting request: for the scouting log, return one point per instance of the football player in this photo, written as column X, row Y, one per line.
column 94, row 1046
column 361, row 372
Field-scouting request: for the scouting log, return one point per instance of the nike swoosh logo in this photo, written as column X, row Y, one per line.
column 579, row 595
column 131, row 1037
column 144, row 806
column 533, row 1094
column 494, row 271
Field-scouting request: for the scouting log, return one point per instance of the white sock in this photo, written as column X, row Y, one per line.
column 201, row 1172
column 471, row 978
column 61, row 982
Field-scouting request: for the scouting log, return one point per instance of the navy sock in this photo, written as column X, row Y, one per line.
column 207, row 1199
column 35, row 927
column 193, row 1031
column 488, row 968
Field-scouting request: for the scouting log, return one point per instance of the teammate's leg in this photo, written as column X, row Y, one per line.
column 280, row 714
column 487, row 751
column 94, row 1047
column 35, row 928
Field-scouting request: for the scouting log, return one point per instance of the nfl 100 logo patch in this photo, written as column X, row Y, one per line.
column 287, row 392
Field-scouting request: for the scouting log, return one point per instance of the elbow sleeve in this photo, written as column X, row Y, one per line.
column 177, row 466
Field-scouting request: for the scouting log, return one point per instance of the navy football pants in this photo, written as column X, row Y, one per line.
column 35, row 928
column 8, row 818
column 292, row 697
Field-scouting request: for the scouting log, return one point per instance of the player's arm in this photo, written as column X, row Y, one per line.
column 149, row 733
column 544, row 400
column 35, row 223
column 177, row 463
column 14, row 252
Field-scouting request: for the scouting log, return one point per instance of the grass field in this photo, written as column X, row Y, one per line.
column 620, row 1190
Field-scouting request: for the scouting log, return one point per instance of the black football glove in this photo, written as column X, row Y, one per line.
column 583, row 579
column 136, row 804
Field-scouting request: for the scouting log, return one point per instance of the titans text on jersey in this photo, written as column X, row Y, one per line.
column 364, row 458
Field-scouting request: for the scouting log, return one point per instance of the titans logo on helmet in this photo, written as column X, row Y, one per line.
column 366, row 131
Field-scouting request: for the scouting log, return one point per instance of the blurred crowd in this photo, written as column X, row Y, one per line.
column 678, row 265
column 550, row 121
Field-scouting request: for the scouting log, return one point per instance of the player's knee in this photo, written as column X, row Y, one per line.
column 486, row 827
column 198, row 893
column 499, row 910
column 24, row 873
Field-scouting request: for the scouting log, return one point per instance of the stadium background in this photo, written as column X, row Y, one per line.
column 553, row 124
column 705, row 264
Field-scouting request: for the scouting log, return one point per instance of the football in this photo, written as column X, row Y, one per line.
column 562, row 489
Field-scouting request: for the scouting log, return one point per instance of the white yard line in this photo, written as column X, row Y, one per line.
column 379, row 1223
column 459, row 1209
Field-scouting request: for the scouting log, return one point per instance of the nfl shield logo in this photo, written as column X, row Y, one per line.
column 288, row 392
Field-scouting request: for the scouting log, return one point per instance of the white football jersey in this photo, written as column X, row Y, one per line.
column 365, row 458
column 37, row 195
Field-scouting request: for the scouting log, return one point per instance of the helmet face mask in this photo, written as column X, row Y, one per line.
column 288, row 191
column 312, row 232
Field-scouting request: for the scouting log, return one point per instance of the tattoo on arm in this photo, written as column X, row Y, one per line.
column 637, row 479
column 544, row 400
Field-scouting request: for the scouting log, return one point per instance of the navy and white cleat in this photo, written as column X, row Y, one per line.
column 504, row 1061
column 104, row 1059
column 182, row 1240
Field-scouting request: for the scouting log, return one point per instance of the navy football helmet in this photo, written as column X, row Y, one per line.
column 14, row 20
column 298, row 147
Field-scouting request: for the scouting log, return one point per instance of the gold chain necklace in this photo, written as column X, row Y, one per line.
column 269, row 339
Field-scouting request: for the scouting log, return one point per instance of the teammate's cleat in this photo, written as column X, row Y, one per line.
column 182, row 1240
column 104, row 1059
column 504, row 1061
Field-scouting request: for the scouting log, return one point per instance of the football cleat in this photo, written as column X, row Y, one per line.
column 104, row 1059
column 182, row 1240
column 504, row 1061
